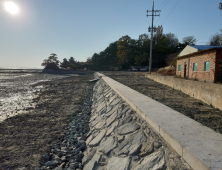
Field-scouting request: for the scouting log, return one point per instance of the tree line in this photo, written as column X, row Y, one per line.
column 68, row 64
column 126, row 52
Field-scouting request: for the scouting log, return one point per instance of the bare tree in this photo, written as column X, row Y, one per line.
column 216, row 39
column 220, row 5
column 189, row 40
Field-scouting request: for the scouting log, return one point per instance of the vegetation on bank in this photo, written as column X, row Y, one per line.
column 126, row 52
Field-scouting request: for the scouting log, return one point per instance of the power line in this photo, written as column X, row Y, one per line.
column 162, row 3
column 171, row 11
column 154, row 14
column 165, row 4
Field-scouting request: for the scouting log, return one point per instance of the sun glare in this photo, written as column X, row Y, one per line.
column 11, row 7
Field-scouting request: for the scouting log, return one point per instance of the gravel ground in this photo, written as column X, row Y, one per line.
column 193, row 108
column 26, row 137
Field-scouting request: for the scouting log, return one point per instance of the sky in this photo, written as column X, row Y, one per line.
column 80, row 28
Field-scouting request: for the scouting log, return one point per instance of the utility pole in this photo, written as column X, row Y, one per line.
column 154, row 14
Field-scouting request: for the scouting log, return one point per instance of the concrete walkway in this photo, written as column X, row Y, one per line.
column 198, row 145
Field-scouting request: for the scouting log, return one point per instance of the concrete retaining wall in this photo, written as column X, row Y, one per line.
column 198, row 145
column 120, row 139
column 209, row 93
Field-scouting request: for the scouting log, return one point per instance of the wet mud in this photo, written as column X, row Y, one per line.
column 47, row 103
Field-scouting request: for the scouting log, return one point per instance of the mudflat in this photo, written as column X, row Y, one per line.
column 41, row 121
column 193, row 108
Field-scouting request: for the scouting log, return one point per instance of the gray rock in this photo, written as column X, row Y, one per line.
column 116, row 101
column 108, row 93
column 118, row 163
column 63, row 158
column 88, row 156
column 97, row 120
column 74, row 165
column 23, row 168
column 100, row 124
column 46, row 157
column 111, row 129
column 152, row 162
column 157, row 145
column 58, row 168
column 110, row 112
column 147, row 148
column 107, row 145
column 125, row 109
column 121, row 138
column 111, row 119
column 101, row 106
column 127, row 128
column 55, row 157
column 98, row 138
column 90, row 165
column 111, row 99
column 89, row 139
column 52, row 163
column 133, row 143
column 126, row 119
column 96, row 157
column 109, row 108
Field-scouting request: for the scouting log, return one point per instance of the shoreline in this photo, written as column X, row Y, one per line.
column 26, row 137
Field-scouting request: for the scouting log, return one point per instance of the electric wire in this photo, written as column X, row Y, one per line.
column 165, row 4
column 162, row 4
column 171, row 11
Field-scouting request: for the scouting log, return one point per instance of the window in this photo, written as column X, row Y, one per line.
column 207, row 66
column 179, row 67
column 194, row 66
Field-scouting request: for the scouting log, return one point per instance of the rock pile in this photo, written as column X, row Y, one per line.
column 68, row 153
column 119, row 139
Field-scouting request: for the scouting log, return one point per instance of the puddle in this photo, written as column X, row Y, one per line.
column 17, row 91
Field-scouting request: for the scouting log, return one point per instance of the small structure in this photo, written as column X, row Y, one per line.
column 200, row 62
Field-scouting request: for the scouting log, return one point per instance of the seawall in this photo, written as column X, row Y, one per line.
column 198, row 145
column 209, row 93
column 120, row 139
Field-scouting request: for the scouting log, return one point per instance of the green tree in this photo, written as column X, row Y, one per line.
column 52, row 59
column 73, row 63
column 125, row 51
column 64, row 63
column 142, row 50
column 105, row 60
column 171, row 40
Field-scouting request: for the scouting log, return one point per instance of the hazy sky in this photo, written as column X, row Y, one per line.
column 80, row 28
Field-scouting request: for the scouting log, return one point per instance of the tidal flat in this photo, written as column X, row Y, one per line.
column 17, row 90
column 35, row 109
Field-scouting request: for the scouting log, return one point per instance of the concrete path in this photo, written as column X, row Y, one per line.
column 198, row 145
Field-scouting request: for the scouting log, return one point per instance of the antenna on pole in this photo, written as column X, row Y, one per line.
column 152, row 29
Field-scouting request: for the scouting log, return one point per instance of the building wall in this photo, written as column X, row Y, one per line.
column 181, row 62
column 218, row 69
column 200, row 74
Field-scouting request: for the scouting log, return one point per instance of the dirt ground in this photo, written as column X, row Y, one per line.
column 193, row 108
column 26, row 137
